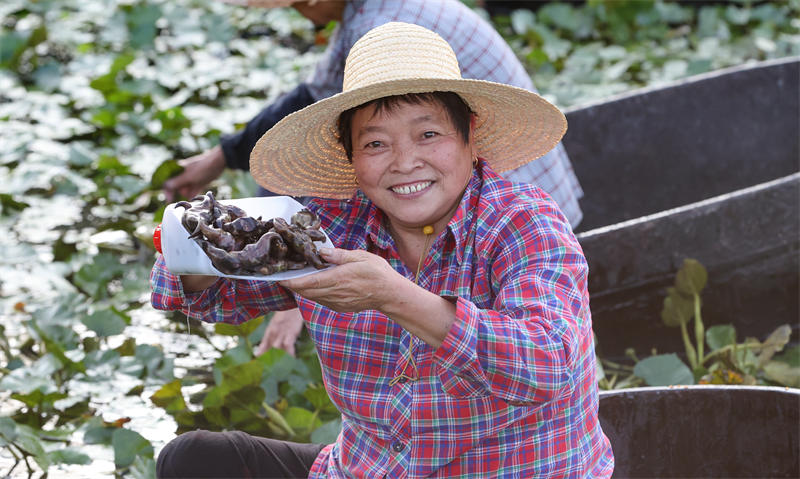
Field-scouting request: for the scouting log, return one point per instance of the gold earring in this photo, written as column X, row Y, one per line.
column 474, row 161
column 355, row 180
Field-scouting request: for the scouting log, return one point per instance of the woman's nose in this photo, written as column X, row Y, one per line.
column 406, row 157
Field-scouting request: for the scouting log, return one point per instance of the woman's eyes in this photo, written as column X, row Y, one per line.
column 378, row 144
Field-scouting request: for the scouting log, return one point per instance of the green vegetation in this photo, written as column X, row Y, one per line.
column 98, row 99
column 727, row 361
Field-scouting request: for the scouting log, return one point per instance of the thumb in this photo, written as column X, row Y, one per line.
column 339, row 256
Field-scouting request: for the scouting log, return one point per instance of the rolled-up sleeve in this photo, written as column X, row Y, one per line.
column 521, row 349
column 227, row 300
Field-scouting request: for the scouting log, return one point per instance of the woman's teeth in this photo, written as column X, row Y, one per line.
column 408, row 189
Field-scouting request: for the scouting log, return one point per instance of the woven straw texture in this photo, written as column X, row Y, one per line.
column 301, row 155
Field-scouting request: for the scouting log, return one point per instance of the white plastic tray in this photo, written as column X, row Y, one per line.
column 184, row 256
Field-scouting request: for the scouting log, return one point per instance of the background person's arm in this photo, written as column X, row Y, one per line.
column 237, row 147
column 234, row 150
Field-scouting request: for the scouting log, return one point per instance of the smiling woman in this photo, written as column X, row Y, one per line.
column 413, row 158
column 454, row 330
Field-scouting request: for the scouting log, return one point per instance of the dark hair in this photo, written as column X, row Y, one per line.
column 457, row 110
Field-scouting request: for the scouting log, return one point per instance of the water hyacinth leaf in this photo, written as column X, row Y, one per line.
column 8, row 428
column 737, row 15
column 319, row 398
column 93, row 277
column 155, row 363
column 698, row 66
column 57, row 341
column 141, row 21
column 717, row 337
column 72, row 408
column 301, row 420
column 239, row 354
column 560, row 15
column 127, row 348
column 105, row 323
column 107, row 83
column 243, row 329
column 691, row 278
column 95, row 432
column 745, row 358
column 128, row 445
column 708, row 21
column 245, row 404
column 170, row 397
column 9, row 206
column 39, row 400
column 68, row 455
column 48, row 77
column 663, row 370
column 242, row 375
column 216, row 416
column 215, row 396
column 672, row 13
column 37, row 376
column 173, row 123
column 327, row 433
column 522, row 21
column 12, row 44
column 29, row 441
column 678, row 308
column 143, row 468
column 165, row 171
column 107, row 164
column 790, row 356
column 774, row 343
column 81, row 154
column 783, row 373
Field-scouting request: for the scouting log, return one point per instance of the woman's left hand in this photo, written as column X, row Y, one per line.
column 361, row 281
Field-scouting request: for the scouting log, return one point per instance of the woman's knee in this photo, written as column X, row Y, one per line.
column 191, row 454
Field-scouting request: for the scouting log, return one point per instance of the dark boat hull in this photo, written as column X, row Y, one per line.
column 705, row 169
column 703, row 431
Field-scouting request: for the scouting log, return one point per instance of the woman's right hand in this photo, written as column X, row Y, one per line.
column 198, row 172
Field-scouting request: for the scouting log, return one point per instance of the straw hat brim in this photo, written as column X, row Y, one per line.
column 301, row 154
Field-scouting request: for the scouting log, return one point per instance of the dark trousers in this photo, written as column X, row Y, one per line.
column 234, row 454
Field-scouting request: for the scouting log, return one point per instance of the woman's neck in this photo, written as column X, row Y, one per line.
column 411, row 243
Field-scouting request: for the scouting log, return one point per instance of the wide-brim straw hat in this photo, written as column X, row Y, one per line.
column 301, row 154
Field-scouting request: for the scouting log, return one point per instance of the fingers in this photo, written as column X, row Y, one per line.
column 287, row 344
column 198, row 172
column 342, row 256
column 317, row 281
column 179, row 186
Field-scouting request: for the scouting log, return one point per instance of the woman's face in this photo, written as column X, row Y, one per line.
column 411, row 162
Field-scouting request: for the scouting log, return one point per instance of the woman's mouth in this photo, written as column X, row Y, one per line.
column 411, row 188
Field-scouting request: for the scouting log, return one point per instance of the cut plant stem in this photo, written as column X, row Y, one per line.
column 699, row 329
column 732, row 347
column 691, row 354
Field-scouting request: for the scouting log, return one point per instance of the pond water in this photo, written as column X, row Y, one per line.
column 109, row 398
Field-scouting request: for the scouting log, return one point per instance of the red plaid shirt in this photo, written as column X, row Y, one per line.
column 511, row 392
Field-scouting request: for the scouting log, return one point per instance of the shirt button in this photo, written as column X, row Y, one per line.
column 398, row 446
column 402, row 380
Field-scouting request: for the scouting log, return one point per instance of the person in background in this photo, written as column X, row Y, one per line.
column 482, row 54
column 453, row 328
